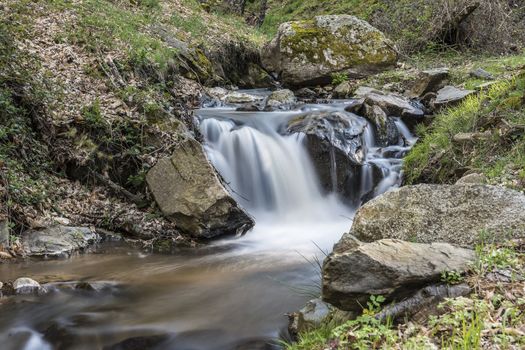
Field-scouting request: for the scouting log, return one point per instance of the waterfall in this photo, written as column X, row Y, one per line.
column 271, row 174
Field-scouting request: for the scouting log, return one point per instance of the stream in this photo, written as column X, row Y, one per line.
column 232, row 294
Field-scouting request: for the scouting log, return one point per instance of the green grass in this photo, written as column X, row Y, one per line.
column 438, row 159
column 492, row 315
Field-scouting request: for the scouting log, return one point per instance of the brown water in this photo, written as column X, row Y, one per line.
column 214, row 298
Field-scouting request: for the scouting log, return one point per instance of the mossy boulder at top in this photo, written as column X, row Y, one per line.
column 309, row 52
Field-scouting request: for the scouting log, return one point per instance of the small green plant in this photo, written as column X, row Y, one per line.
column 451, row 277
column 338, row 78
column 92, row 115
column 374, row 304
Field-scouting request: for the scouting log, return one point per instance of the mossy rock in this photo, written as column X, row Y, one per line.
column 309, row 52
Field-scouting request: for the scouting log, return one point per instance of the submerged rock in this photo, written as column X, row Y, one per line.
column 57, row 241
column 309, row 52
column 457, row 214
column 26, row 285
column 391, row 268
column 188, row 191
column 450, row 96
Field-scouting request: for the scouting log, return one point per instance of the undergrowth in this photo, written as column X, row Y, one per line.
column 493, row 317
column 495, row 118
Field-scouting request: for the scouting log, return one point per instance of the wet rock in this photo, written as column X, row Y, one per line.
column 305, row 93
column 386, row 130
column 310, row 316
column 481, row 74
column 343, row 90
column 450, row 96
column 334, row 141
column 307, row 53
column 473, row 179
column 250, row 107
column 280, row 99
column 391, row 268
column 57, row 241
column 4, row 234
column 26, row 285
column 429, row 81
column 456, row 214
column 394, row 105
column 189, row 192
column 241, row 97
column 5, row 255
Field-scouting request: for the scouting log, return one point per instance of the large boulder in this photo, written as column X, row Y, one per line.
column 309, row 52
column 335, row 143
column 281, row 99
column 457, row 214
column 188, row 192
column 57, row 241
column 391, row 268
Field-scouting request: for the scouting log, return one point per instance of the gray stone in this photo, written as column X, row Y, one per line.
column 391, row 268
column 188, row 192
column 386, row 130
column 457, row 214
column 450, row 96
column 26, row 285
column 481, row 74
column 281, row 99
column 343, row 90
column 305, row 93
column 473, row 179
column 57, row 241
column 363, row 91
column 429, row 81
column 467, row 137
column 309, row 52
column 313, row 314
column 241, row 97
column 394, row 105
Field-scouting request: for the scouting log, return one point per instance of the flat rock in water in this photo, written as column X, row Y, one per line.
column 450, row 95
column 57, row 241
column 189, row 192
column 391, row 268
column 457, row 214
column 26, row 285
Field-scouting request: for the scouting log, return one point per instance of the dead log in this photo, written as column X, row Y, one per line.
column 422, row 301
column 134, row 198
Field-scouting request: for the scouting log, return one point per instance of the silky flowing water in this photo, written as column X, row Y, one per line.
column 232, row 294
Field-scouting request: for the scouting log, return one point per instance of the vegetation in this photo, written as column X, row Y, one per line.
column 494, row 315
column 495, row 119
column 421, row 24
